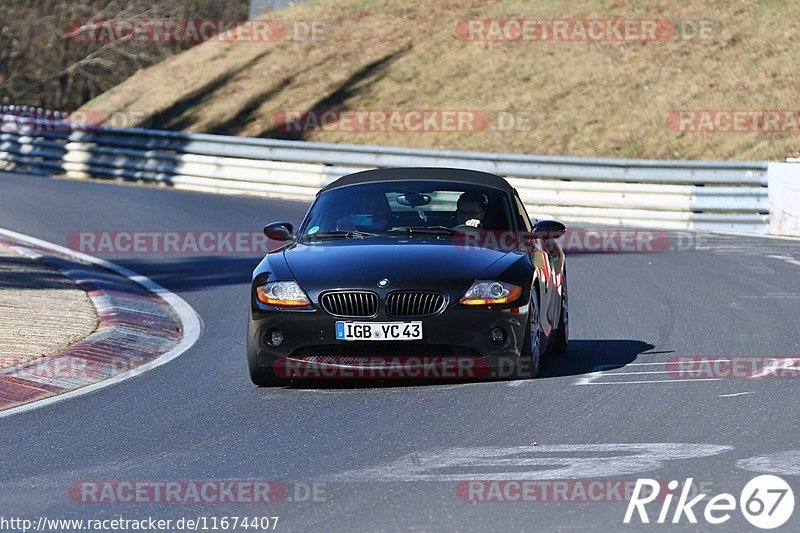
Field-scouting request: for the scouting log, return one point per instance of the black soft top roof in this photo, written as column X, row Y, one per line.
column 456, row 175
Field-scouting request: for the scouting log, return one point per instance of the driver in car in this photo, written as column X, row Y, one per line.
column 471, row 209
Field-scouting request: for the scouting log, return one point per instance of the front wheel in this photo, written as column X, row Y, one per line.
column 528, row 365
column 263, row 376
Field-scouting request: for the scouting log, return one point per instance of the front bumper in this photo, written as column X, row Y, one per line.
column 458, row 331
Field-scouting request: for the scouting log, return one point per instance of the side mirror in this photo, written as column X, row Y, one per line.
column 279, row 231
column 548, row 229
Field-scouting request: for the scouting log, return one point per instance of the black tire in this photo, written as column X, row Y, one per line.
column 528, row 366
column 260, row 375
column 561, row 341
column 263, row 376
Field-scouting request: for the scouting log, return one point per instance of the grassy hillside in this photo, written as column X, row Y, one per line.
column 583, row 98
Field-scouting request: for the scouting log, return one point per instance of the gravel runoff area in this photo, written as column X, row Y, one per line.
column 41, row 311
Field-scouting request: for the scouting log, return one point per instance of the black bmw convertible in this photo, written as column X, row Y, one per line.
column 409, row 272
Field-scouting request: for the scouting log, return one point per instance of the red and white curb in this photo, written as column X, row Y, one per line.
column 142, row 326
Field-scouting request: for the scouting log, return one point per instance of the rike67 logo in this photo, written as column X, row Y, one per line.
column 767, row 502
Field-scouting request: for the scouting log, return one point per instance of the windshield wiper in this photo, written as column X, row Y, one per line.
column 340, row 234
column 423, row 230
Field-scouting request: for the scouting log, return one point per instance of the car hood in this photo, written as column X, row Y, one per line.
column 405, row 262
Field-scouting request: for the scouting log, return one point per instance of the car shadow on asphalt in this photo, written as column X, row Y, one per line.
column 589, row 355
column 583, row 357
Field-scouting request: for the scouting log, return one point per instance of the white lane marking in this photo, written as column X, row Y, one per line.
column 634, row 364
column 772, row 296
column 650, row 372
column 190, row 321
column 601, row 372
column 786, row 259
column 662, row 363
column 781, row 463
column 589, row 378
column 549, row 461
column 734, row 394
column 667, row 381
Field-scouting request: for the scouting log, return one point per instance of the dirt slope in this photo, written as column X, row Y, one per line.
column 579, row 97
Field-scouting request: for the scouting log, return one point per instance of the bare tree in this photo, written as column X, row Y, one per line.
column 49, row 59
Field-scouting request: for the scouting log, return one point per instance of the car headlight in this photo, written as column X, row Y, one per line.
column 282, row 294
column 490, row 293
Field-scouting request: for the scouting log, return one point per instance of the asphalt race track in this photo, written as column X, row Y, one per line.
column 393, row 457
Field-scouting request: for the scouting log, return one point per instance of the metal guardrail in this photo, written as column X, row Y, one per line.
column 717, row 195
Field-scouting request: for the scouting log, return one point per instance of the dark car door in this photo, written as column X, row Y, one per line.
column 549, row 302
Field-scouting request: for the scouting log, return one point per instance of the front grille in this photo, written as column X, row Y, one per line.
column 414, row 303
column 350, row 303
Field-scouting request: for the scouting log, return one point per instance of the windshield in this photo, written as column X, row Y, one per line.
column 413, row 207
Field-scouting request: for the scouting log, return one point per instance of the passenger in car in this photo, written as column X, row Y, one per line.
column 373, row 215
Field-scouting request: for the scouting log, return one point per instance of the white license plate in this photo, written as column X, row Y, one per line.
column 378, row 331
